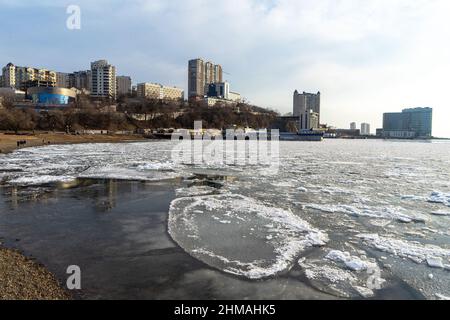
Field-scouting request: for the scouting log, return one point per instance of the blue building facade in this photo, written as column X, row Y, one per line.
column 51, row 95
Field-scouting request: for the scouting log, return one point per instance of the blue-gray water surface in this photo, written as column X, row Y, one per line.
column 337, row 219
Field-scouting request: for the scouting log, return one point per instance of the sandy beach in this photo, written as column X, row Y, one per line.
column 8, row 142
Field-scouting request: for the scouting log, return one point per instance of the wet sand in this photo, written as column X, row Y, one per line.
column 8, row 142
column 116, row 232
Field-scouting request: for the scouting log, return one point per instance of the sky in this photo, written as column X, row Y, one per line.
column 366, row 57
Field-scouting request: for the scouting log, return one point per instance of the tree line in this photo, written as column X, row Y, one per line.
column 88, row 115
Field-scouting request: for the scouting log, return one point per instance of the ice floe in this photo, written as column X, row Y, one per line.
column 195, row 191
column 441, row 213
column 352, row 262
column 271, row 238
column 342, row 274
column 442, row 297
column 440, row 197
column 390, row 213
column 40, row 180
column 414, row 251
column 413, row 197
column 118, row 173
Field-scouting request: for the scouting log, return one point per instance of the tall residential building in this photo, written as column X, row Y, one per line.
column 63, row 80
column 24, row 77
column 123, row 85
column 103, row 80
column 9, row 75
column 353, row 126
column 201, row 75
column 410, row 123
column 159, row 92
column 82, row 80
column 307, row 108
column 365, row 129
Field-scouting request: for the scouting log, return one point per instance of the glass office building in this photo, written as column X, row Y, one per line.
column 411, row 123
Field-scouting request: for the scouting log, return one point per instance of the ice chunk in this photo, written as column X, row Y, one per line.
column 416, row 252
column 364, row 292
column 330, row 277
column 195, row 191
column 442, row 297
column 440, row 197
column 435, row 262
column 40, row 180
column 441, row 213
column 274, row 237
column 352, row 262
column 387, row 213
column 412, row 197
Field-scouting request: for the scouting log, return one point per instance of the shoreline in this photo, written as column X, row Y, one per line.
column 8, row 142
column 22, row 278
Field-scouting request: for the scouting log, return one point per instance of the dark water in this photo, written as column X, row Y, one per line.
column 116, row 232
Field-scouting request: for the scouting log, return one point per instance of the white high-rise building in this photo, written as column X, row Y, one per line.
column 103, row 80
column 9, row 76
column 306, row 107
column 201, row 75
column 365, row 129
column 353, row 126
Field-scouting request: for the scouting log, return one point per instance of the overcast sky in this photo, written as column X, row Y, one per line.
column 365, row 56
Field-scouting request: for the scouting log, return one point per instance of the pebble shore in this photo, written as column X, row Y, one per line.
column 23, row 279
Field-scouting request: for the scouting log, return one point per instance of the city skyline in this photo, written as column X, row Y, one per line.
column 388, row 58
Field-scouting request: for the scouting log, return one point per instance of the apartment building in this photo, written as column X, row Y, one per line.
column 123, row 85
column 307, row 109
column 63, row 80
column 24, row 77
column 159, row 92
column 103, row 77
column 9, row 76
column 200, row 75
column 365, row 129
